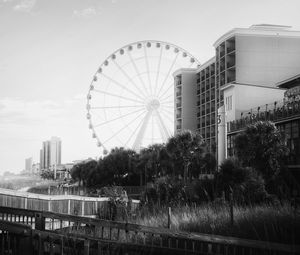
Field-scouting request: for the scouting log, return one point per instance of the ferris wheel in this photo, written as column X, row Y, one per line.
column 130, row 102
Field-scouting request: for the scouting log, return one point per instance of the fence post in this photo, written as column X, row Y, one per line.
column 82, row 207
column 69, row 206
column 86, row 247
column 169, row 217
column 231, row 208
column 49, row 205
column 26, row 202
column 39, row 221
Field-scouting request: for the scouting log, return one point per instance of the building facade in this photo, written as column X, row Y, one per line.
column 249, row 63
column 50, row 154
column 284, row 112
column 28, row 165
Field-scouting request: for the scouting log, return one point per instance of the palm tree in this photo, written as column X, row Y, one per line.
column 150, row 159
column 185, row 146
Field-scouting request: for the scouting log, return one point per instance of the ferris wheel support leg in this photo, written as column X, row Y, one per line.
column 140, row 135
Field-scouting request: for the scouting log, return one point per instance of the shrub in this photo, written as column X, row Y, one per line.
column 246, row 184
column 165, row 191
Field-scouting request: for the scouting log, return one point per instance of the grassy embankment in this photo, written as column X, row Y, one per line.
column 279, row 224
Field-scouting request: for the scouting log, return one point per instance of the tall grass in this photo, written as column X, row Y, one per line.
column 279, row 223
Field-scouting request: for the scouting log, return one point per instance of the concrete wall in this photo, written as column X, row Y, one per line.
column 245, row 97
column 189, row 101
column 265, row 60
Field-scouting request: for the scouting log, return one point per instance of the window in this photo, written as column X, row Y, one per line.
column 228, row 103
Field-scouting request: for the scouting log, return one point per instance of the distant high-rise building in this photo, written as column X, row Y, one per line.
column 28, row 165
column 50, row 154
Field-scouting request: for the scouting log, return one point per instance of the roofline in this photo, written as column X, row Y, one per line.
column 258, row 32
column 288, row 80
column 250, row 85
column 206, row 63
column 184, row 70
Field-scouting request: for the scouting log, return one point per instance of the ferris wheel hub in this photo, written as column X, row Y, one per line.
column 153, row 105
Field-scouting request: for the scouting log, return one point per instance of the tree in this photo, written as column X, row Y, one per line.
column 245, row 183
column 47, row 174
column 262, row 147
column 117, row 168
column 150, row 159
column 184, row 147
column 82, row 172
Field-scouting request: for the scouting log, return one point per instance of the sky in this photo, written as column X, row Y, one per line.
column 50, row 50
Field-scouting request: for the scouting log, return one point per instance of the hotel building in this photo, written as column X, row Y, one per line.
column 246, row 72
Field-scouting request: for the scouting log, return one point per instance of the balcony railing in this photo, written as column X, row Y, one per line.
column 287, row 111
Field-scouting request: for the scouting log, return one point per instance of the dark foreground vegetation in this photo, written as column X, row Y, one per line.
column 273, row 223
column 181, row 174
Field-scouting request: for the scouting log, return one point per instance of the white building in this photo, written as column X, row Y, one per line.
column 248, row 64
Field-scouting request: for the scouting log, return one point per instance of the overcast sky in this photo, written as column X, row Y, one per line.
column 50, row 49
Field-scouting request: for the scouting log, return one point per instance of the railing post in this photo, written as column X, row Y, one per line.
column 49, row 205
column 86, row 247
column 69, row 206
column 231, row 208
column 26, row 202
column 82, row 207
column 39, row 221
column 169, row 217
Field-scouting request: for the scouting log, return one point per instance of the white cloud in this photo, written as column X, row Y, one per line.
column 85, row 13
column 25, row 5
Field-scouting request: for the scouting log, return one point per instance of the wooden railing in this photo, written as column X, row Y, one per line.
column 75, row 205
column 80, row 191
column 62, row 232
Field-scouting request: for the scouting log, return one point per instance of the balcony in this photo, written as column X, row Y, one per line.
column 230, row 45
column 279, row 113
column 178, row 94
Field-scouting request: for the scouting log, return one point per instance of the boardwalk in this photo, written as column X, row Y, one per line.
column 68, row 204
column 39, row 224
column 27, row 232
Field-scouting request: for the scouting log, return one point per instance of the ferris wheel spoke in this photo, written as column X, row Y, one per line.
column 138, row 73
column 141, row 133
column 167, row 116
column 126, row 126
column 167, row 102
column 158, row 68
column 148, row 69
column 168, row 74
column 165, row 98
column 170, row 86
column 117, row 107
column 163, row 129
column 152, row 133
column 137, row 127
column 121, row 85
column 171, row 113
column 118, row 96
column 119, row 117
